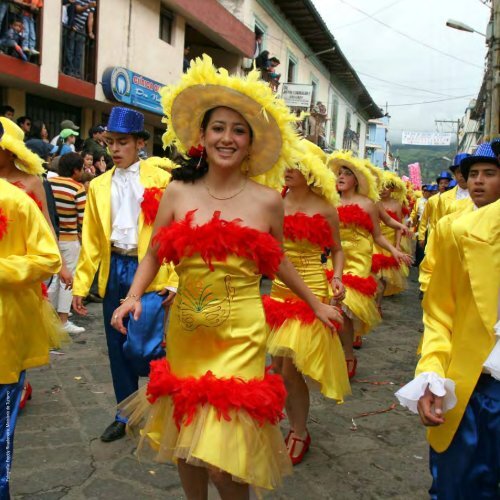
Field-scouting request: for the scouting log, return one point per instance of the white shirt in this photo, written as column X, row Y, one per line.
column 420, row 206
column 461, row 194
column 127, row 194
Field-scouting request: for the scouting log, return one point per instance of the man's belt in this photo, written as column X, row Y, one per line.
column 132, row 252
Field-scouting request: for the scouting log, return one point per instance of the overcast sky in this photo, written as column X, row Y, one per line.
column 376, row 50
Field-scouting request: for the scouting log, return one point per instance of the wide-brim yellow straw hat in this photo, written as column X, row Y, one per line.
column 12, row 139
column 398, row 186
column 378, row 173
column 367, row 185
column 203, row 87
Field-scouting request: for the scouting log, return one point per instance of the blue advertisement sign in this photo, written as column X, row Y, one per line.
column 125, row 86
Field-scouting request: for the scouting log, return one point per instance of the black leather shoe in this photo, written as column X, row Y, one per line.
column 113, row 432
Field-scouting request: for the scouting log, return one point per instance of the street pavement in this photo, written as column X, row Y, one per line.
column 366, row 448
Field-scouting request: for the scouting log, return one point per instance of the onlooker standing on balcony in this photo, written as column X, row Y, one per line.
column 29, row 9
column 76, row 34
column 13, row 39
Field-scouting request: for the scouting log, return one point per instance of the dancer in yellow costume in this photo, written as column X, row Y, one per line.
column 28, row 255
column 390, row 273
column 359, row 227
column 210, row 405
column 300, row 344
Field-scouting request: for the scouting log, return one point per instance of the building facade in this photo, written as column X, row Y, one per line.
column 137, row 46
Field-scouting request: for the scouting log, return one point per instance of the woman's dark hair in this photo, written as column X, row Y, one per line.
column 68, row 163
column 36, row 129
column 195, row 167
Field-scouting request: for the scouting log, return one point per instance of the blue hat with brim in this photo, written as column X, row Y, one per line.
column 456, row 161
column 483, row 154
column 127, row 121
column 444, row 175
column 433, row 188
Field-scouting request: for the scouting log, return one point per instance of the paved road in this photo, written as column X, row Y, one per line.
column 58, row 453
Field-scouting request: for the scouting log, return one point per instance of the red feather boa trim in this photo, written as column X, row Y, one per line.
column 394, row 215
column 356, row 216
column 4, row 222
column 381, row 261
column 217, row 239
column 151, row 203
column 315, row 229
column 277, row 312
column 366, row 286
column 45, row 290
column 263, row 399
column 31, row 194
column 405, row 210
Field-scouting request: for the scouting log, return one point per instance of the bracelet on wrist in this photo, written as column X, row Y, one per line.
column 131, row 296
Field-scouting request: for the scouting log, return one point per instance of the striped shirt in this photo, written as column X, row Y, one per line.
column 81, row 17
column 70, row 198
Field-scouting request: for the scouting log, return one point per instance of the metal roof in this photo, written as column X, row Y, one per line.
column 313, row 30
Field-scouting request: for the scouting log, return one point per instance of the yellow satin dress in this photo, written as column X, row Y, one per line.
column 356, row 236
column 385, row 266
column 295, row 332
column 211, row 402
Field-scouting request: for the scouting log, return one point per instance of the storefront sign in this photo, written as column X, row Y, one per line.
column 297, row 95
column 125, row 86
column 426, row 138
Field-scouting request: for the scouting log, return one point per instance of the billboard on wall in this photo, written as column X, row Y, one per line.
column 297, row 95
column 426, row 138
column 126, row 86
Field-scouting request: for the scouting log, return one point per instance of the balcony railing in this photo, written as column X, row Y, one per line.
column 78, row 55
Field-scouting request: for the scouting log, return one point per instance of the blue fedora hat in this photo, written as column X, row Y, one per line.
column 444, row 175
column 484, row 154
column 433, row 188
column 127, row 121
column 456, row 161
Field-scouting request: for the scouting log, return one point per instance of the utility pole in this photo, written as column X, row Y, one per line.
column 495, row 71
column 455, row 123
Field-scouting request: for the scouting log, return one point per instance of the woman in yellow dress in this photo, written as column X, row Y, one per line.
column 359, row 228
column 301, row 345
column 390, row 274
column 211, row 406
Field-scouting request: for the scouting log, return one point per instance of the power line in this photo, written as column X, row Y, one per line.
column 430, row 102
column 435, row 49
column 372, row 14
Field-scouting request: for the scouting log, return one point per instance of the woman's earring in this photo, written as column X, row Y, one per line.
column 198, row 165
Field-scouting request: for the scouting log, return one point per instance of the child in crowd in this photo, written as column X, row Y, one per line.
column 13, row 39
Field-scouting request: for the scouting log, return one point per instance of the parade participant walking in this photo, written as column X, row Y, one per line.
column 457, row 386
column 415, row 218
column 222, row 230
column 121, row 207
column 301, row 345
column 359, row 228
column 390, row 274
column 28, row 255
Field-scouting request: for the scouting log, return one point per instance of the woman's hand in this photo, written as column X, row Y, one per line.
column 66, row 277
column 129, row 306
column 338, row 289
column 169, row 298
column 402, row 258
column 328, row 314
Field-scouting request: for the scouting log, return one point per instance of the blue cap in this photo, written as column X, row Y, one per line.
column 444, row 175
column 433, row 188
column 456, row 161
column 126, row 121
column 452, row 184
column 484, row 154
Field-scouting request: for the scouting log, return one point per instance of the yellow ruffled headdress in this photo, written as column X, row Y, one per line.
column 378, row 173
column 367, row 185
column 319, row 177
column 204, row 87
column 398, row 186
column 161, row 162
column 12, row 139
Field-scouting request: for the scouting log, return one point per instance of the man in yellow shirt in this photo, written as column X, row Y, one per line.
column 457, row 386
column 117, row 227
column 28, row 255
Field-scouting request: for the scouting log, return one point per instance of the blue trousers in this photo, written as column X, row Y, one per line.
column 470, row 468
column 130, row 355
column 10, row 397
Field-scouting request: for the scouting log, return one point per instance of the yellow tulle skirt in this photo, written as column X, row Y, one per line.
column 317, row 353
column 395, row 280
column 57, row 336
column 251, row 453
column 362, row 310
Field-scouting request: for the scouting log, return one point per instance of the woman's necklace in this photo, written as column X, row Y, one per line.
column 227, row 197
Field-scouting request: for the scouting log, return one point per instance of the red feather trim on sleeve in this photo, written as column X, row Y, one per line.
column 366, row 286
column 381, row 261
column 217, row 239
column 356, row 216
column 150, row 204
column 277, row 312
column 405, row 210
column 263, row 399
column 315, row 229
column 394, row 215
column 45, row 290
column 31, row 194
column 4, row 223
